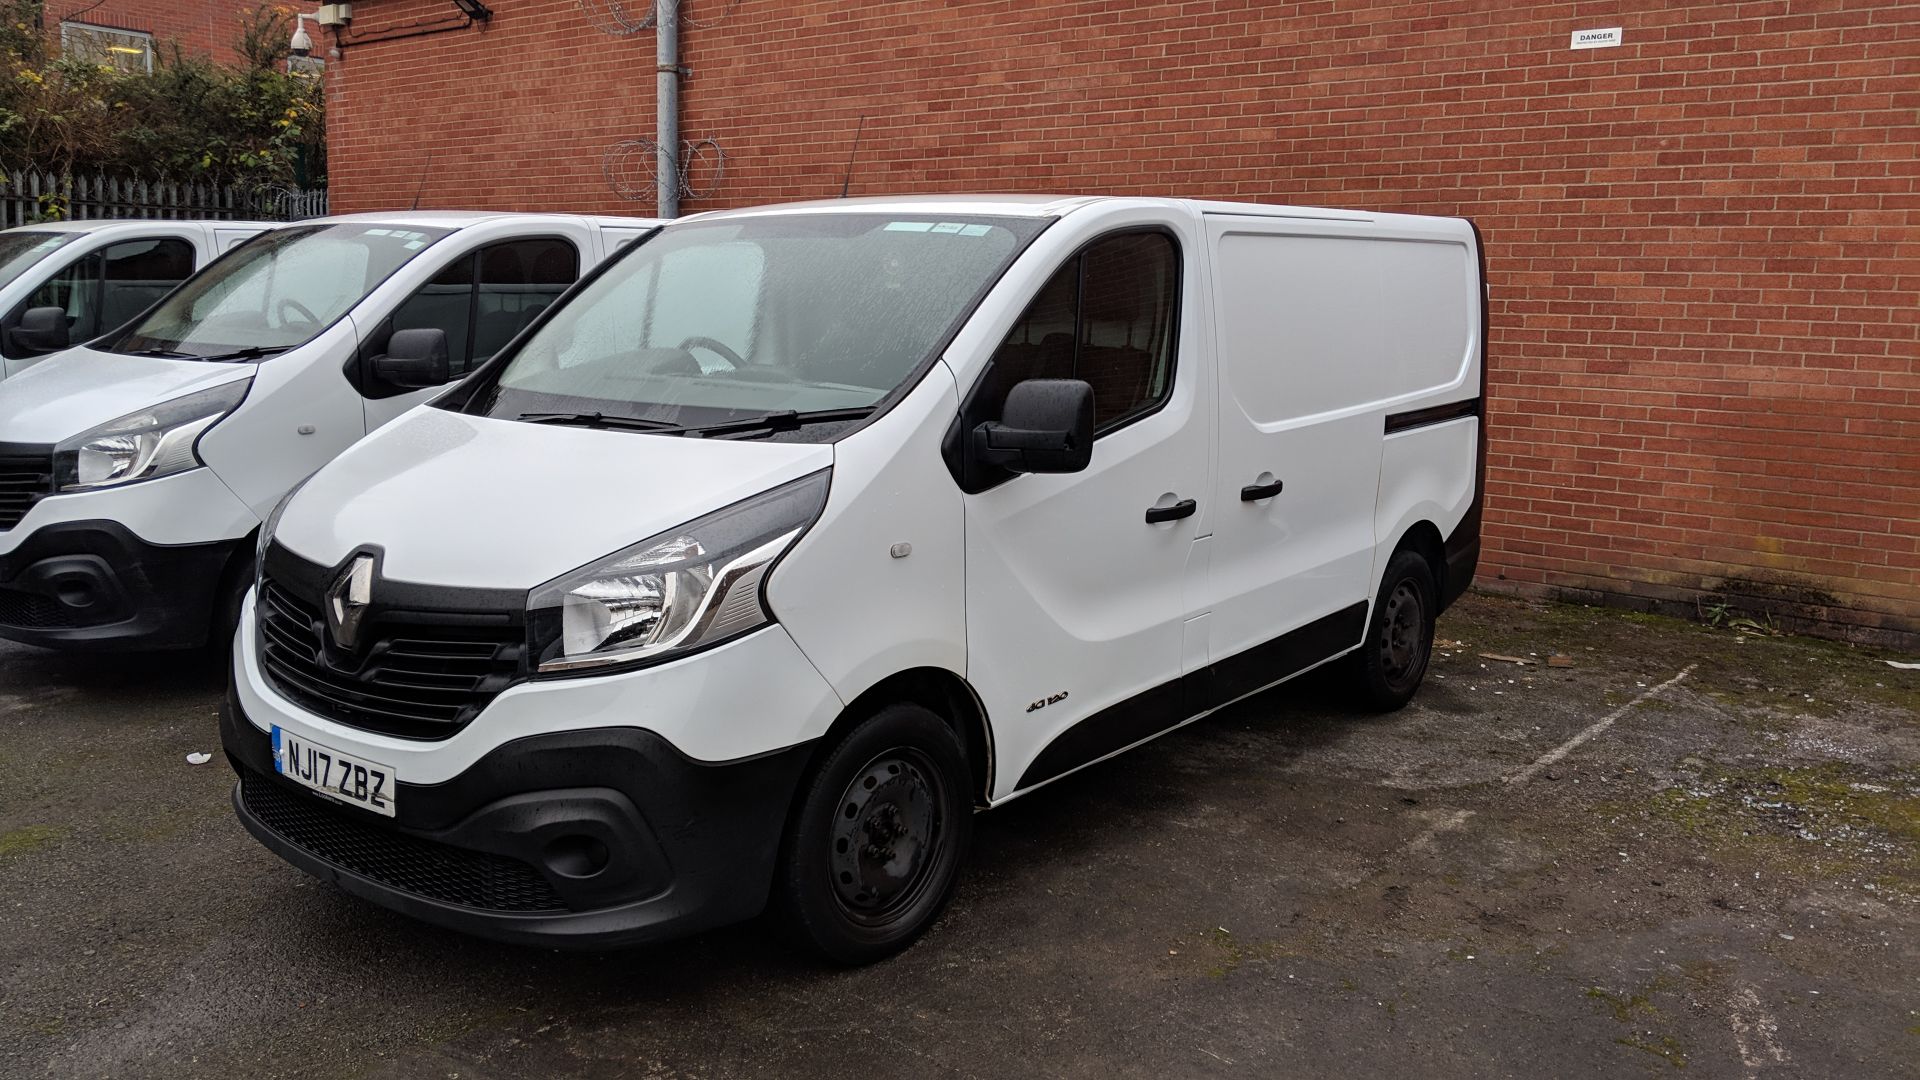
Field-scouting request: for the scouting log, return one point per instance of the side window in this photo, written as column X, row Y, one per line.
column 445, row 303
column 75, row 290
column 138, row 273
column 480, row 312
column 1108, row 317
column 518, row 280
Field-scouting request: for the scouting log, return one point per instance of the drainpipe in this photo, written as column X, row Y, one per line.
column 666, row 16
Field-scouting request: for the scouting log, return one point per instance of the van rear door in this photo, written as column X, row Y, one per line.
column 1323, row 328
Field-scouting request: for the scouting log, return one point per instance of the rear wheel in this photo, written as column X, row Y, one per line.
column 1393, row 660
column 877, row 838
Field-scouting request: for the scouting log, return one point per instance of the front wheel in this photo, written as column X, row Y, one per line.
column 229, row 598
column 1393, row 659
column 877, row 838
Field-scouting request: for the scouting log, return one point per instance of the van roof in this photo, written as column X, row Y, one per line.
column 461, row 219
column 107, row 224
column 1030, row 206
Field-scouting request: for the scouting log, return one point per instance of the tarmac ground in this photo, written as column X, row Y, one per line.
column 1693, row 849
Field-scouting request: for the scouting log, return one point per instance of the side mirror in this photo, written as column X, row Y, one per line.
column 1046, row 427
column 415, row 359
column 42, row 330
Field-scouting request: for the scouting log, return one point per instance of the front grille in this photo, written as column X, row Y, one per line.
column 26, row 477
column 474, row 879
column 421, row 676
column 31, row 611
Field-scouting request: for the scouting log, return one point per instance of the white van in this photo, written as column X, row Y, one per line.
column 71, row 281
column 795, row 535
column 134, row 471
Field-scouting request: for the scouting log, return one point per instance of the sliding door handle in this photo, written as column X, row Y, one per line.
column 1181, row 509
column 1256, row 492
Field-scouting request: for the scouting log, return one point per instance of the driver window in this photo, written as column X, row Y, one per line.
column 517, row 280
column 709, row 293
column 445, row 303
column 1106, row 317
column 140, row 272
column 76, row 291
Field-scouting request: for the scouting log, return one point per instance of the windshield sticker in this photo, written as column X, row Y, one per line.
column 945, row 228
column 379, row 232
column 415, row 245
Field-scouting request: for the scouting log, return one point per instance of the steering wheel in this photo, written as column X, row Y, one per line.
column 701, row 341
column 298, row 308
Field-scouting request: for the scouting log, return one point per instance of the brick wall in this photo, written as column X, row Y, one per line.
column 1702, row 244
column 198, row 27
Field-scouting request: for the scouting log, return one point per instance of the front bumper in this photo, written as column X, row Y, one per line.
column 96, row 585
column 586, row 838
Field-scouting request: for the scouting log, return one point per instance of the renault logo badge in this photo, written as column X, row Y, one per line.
column 347, row 601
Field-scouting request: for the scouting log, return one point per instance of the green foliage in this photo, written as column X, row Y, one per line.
column 191, row 119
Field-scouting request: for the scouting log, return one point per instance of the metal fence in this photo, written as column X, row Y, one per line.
column 33, row 195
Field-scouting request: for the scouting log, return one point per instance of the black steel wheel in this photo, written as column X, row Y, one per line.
column 1393, row 660
column 229, row 598
column 877, row 837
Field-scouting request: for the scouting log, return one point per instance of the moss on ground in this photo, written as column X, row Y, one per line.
column 1228, row 953
column 1756, row 674
column 29, row 838
column 1817, row 821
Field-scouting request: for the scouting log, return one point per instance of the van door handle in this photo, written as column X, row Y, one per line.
column 1181, row 509
column 1256, row 492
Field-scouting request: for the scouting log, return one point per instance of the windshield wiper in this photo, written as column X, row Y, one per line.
column 163, row 354
column 597, row 419
column 251, row 352
column 784, row 420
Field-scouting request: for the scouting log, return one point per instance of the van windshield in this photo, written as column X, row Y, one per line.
column 276, row 292
column 718, row 321
column 20, row 249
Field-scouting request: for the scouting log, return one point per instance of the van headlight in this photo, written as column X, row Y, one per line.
column 145, row 445
column 682, row 590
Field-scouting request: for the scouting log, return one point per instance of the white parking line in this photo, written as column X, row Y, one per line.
column 1599, row 726
column 1753, row 1032
column 1446, row 824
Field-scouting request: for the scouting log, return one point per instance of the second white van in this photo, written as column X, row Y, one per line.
column 796, row 535
column 70, row 281
column 135, row 469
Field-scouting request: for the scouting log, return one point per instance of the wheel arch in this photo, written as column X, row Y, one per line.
column 945, row 694
column 1423, row 538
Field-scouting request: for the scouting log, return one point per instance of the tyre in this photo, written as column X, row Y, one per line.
column 227, row 603
column 877, row 838
column 1393, row 658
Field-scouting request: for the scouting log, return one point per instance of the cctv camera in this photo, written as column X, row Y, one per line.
column 301, row 44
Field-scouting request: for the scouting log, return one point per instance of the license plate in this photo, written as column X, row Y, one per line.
column 352, row 780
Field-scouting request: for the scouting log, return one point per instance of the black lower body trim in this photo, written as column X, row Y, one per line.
column 94, row 585
column 1463, row 557
column 1170, row 704
column 595, row 838
column 1433, row 414
column 1289, row 654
